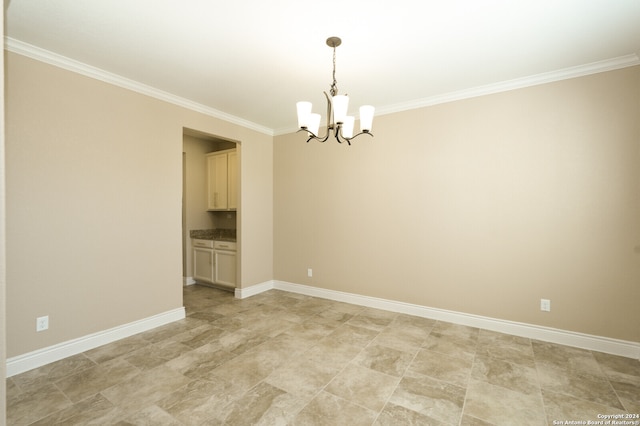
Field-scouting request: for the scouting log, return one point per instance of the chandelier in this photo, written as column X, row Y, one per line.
column 337, row 119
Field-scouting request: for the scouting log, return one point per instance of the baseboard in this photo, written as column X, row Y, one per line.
column 31, row 360
column 243, row 293
column 40, row 357
column 188, row 281
column 585, row 341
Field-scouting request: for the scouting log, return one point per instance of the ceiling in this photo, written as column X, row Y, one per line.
column 253, row 59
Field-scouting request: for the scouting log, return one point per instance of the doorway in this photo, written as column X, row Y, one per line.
column 195, row 216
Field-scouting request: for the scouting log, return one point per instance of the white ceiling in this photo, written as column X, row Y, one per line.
column 253, row 59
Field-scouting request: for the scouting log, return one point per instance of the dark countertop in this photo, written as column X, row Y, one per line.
column 214, row 234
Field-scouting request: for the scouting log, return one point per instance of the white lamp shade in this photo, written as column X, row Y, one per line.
column 340, row 106
column 366, row 117
column 314, row 123
column 304, row 112
column 347, row 127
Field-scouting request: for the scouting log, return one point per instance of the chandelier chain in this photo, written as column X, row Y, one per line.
column 334, row 85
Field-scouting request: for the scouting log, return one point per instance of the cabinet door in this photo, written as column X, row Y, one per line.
column 225, row 270
column 232, row 179
column 203, row 264
column 217, row 182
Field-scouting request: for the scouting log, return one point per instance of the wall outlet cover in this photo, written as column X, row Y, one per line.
column 42, row 323
column 545, row 305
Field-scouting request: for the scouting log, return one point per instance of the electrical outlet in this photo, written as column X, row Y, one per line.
column 42, row 323
column 310, row 272
column 545, row 305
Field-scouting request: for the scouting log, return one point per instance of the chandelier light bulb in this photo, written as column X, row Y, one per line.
column 366, row 117
column 304, row 111
column 314, row 123
column 340, row 107
column 347, row 127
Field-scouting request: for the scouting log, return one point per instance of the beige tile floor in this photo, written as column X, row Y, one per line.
column 285, row 359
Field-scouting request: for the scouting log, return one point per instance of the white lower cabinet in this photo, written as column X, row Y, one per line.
column 203, row 265
column 224, row 255
column 203, row 261
column 214, row 262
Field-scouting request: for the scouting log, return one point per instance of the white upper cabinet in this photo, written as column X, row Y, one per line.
column 222, row 180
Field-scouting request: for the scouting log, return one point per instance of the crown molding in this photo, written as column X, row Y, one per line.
column 34, row 52
column 504, row 86
column 518, row 83
column 51, row 58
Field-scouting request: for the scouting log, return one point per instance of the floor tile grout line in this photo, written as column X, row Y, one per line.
column 466, row 389
column 342, row 370
column 545, row 411
column 544, row 405
column 320, row 390
column 399, row 381
column 323, row 388
column 608, row 379
column 58, row 411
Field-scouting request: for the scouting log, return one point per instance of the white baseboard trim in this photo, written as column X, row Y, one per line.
column 570, row 338
column 188, row 281
column 38, row 358
column 243, row 293
column 21, row 363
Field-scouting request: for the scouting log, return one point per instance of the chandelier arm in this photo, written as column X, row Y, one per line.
column 361, row 133
column 313, row 137
column 319, row 139
column 341, row 138
column 338, row 135
column 329, row 114
column 324, row 138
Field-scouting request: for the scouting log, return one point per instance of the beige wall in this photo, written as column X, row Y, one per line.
column 94, row 190
column 482, row 206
